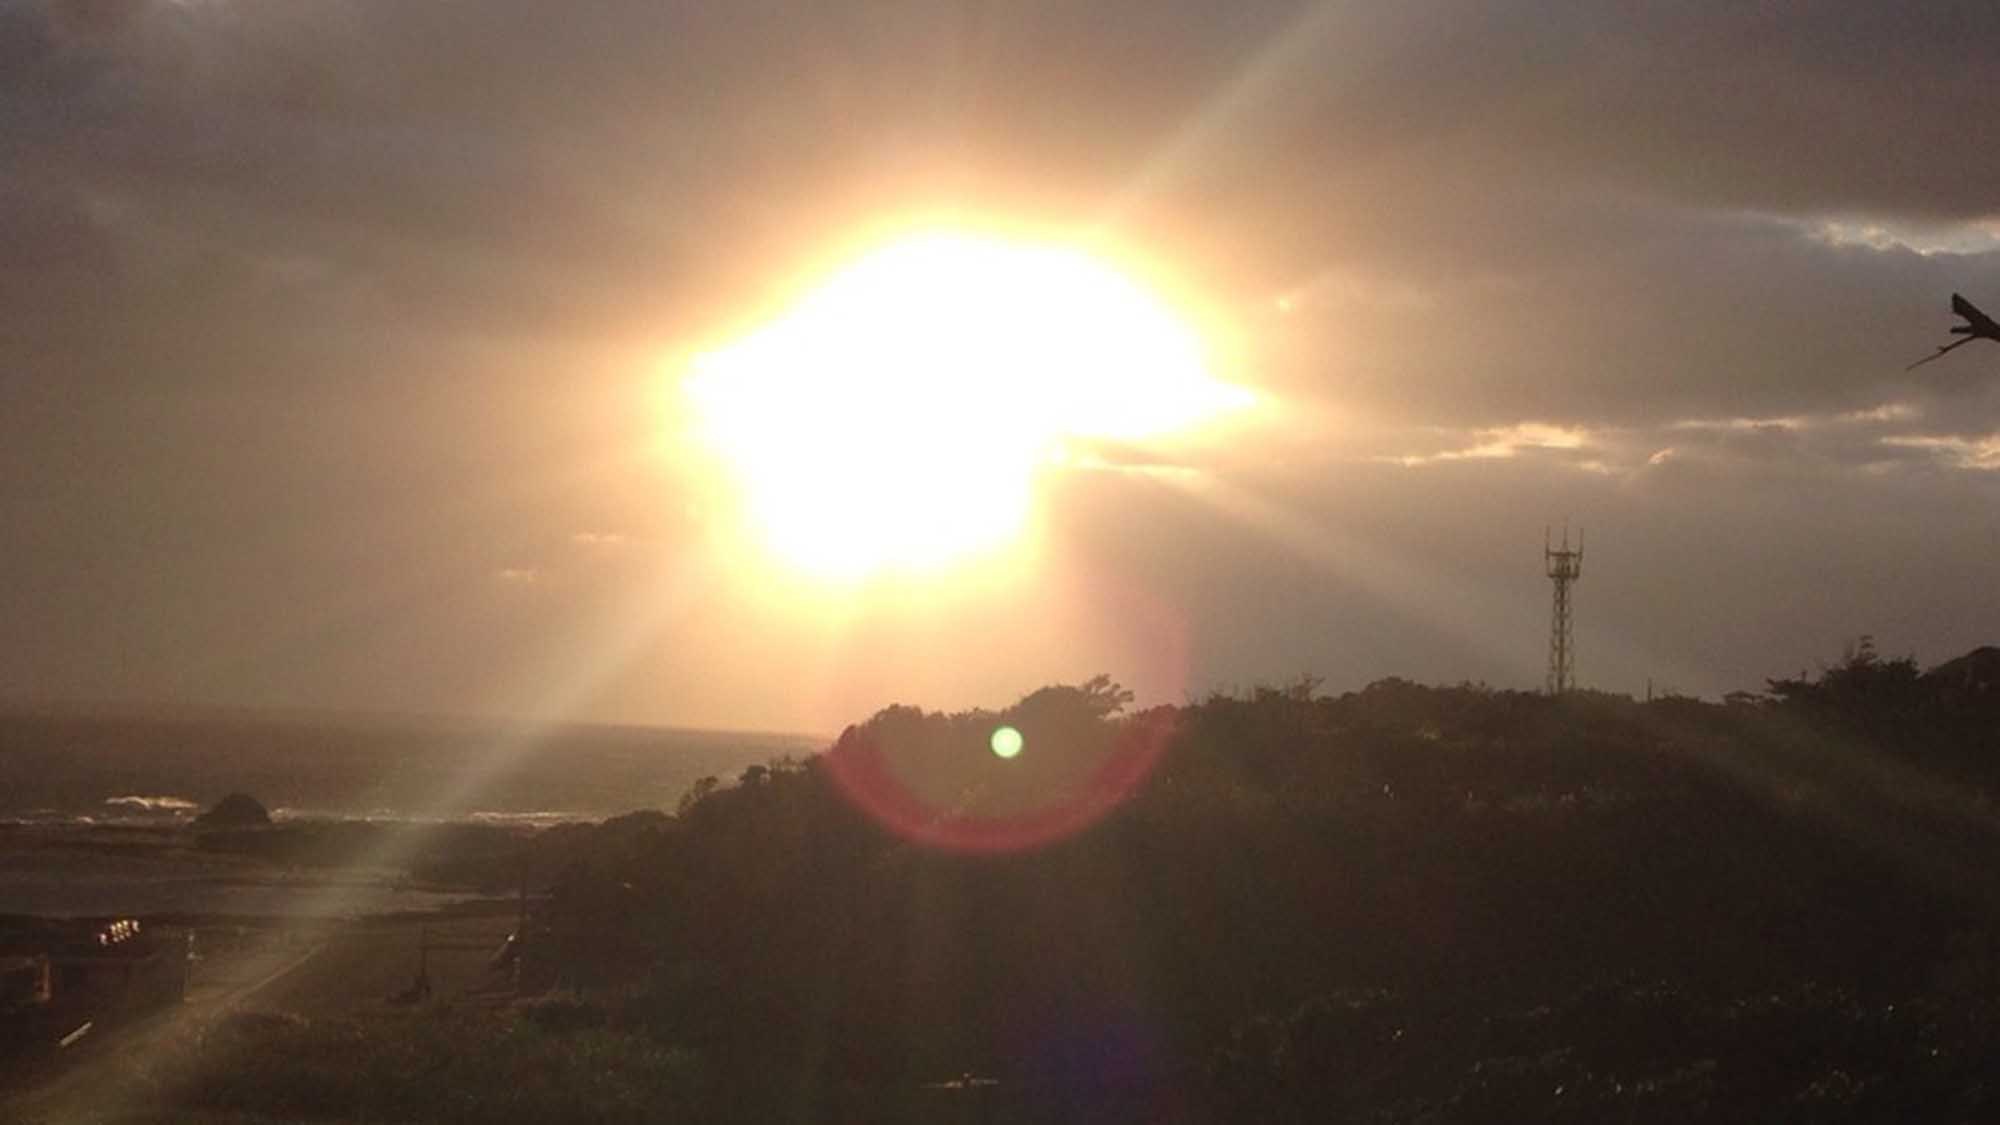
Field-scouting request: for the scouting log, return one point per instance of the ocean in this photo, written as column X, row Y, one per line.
column 91, row 804
column 163, row 768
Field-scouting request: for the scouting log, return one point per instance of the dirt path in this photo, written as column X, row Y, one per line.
column 123, row 1071
column 89, row 1081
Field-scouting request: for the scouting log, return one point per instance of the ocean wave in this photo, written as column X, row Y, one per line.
column 286, row 814
column 533, row 818
column 541, row 818
column 170, row 812
column 176, row 806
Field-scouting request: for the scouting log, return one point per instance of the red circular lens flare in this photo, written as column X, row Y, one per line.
column 977, row 803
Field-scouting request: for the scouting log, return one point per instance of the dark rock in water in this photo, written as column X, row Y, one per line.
column 238, row 810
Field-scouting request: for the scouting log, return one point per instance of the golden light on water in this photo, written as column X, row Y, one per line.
column 895, row 417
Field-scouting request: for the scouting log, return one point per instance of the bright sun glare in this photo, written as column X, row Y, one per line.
column 895, row 417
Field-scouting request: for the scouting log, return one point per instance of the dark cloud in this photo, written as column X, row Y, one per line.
column 1670, row 316
column 93, row 19
column 1829, row 106
column 521, row 161
column 514, row 126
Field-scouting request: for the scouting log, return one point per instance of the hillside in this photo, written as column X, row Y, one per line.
column 1474, row 899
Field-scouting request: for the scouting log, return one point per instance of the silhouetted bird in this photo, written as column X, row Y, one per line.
column 1977, row 326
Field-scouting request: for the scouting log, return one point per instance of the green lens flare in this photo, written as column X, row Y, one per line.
column 1006, row 742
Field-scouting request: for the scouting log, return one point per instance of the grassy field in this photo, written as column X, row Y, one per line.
column 360, row 966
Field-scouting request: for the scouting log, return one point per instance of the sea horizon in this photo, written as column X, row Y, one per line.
column 151, row 767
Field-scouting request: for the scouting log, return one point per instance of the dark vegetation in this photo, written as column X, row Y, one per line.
column 1404, row 904
column 443, row 1067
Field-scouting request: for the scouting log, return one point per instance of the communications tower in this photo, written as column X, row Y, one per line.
column 1565, row 567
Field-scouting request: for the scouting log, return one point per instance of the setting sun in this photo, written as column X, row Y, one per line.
column 894, row 418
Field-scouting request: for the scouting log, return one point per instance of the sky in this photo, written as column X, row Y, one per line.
column 339, row 342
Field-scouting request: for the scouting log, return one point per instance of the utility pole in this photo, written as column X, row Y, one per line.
column 1564, row 567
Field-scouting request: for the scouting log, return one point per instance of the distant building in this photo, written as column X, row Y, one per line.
column 26, row 982
column 59, row 975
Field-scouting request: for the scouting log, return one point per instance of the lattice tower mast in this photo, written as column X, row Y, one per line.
column 1565, row 566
